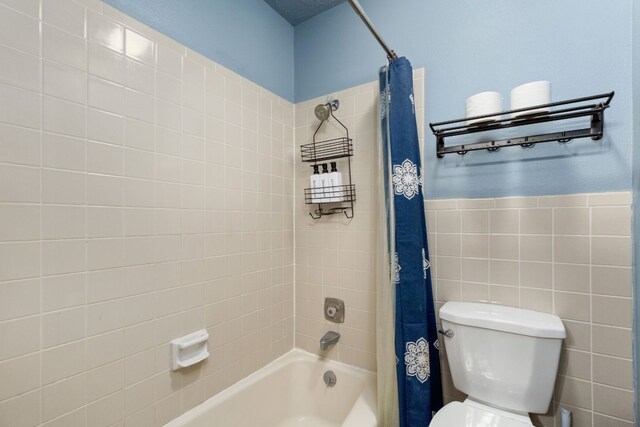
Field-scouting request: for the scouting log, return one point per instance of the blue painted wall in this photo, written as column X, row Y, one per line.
column 246, row 36
column 470, row 46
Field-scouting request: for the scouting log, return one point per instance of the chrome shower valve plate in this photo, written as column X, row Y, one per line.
column 334, row 310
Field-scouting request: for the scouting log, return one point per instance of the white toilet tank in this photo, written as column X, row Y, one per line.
column 502, row 356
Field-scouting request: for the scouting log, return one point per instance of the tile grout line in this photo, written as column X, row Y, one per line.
column 41, row 209
column 591, row 358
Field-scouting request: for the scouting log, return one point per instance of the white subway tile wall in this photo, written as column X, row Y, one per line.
column 568, row 255
column 335, row 256
column 145, row 193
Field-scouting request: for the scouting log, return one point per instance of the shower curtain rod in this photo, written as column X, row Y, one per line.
column 355, row 5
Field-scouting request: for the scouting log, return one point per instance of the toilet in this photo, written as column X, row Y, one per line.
column 505, row 359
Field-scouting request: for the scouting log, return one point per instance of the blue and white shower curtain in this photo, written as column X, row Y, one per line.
column 416, row 340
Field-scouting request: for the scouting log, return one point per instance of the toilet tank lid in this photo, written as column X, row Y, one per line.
column 502, row 318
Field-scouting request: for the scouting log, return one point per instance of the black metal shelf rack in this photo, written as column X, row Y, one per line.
column 571, row 109
column 336, row 199
column 329, row 149
column 334, row 194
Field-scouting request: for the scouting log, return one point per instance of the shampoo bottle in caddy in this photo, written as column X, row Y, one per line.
column 335, row 180
column 316, row 185
column 326, row 193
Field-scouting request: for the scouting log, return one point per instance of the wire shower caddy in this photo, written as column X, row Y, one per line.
column 333, row 199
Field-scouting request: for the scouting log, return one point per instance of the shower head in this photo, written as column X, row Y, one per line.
column 323, row 111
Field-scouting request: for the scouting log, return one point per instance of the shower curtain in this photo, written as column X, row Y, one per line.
column 409, row 383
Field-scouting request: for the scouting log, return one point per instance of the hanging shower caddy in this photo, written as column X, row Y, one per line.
column 330, row 199
column 571, row 109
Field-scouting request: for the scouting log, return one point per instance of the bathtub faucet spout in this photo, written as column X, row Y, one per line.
column 329, row 339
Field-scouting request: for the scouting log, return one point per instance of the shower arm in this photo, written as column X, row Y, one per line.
column 355, row 5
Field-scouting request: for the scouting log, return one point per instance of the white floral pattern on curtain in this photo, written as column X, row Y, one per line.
column 405, row 179
column 417, row 360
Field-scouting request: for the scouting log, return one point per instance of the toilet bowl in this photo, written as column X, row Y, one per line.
column 505, row 359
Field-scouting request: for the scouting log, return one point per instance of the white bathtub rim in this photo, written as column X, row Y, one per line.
column 292, row 355
column 299, row 354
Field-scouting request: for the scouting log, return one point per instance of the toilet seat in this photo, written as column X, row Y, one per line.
column 474, row 414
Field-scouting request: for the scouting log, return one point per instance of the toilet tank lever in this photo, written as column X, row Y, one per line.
column 448, row 333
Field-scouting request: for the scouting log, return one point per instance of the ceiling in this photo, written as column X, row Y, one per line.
column 297, row 11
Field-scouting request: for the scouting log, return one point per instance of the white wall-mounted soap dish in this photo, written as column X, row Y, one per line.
column 189, row 350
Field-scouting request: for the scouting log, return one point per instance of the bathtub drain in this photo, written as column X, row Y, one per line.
column 330, row 378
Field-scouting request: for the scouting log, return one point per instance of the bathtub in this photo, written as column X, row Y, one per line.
column 291, row 392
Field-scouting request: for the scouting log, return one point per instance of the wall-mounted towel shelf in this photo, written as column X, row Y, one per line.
column 571, row 109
